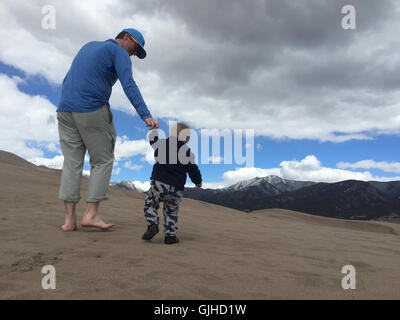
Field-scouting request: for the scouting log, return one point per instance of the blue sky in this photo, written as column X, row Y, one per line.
column 320, row 112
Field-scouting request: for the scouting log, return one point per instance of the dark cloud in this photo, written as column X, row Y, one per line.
column 287, row 61
column 235, row 39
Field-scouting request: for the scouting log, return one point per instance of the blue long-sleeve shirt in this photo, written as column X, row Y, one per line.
column 95, row 69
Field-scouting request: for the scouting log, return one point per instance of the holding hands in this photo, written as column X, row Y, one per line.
column 150, row 122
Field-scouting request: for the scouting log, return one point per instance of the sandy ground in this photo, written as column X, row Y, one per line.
column 223, row 253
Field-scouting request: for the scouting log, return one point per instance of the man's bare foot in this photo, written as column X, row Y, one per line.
column 70, row 217
column 96, row 222
column 68, row 227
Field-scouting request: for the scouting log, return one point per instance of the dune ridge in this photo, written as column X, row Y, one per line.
column 223, row 253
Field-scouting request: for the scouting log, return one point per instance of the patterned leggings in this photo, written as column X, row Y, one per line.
column 162, row 192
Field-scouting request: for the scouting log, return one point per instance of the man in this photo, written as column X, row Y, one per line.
column 85, row 121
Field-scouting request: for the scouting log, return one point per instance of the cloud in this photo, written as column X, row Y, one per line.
column 211, row 185
column 284, row 68
column 144, row 186
column 233, row 176
column 86, row 173
column 52, row 146
column 27, row 123
column 125, row 148
column 307, row 169
column 310, row 169
column 371, row 164
column 37, row 55
column 215, row 160
column 309, row 163
column 131, row 166
column 54, row 163
column 149, row 156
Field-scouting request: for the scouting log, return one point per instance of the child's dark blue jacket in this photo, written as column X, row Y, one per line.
column 173, row 159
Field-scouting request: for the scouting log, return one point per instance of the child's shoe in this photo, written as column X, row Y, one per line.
column 171, row 239
column 151, row 231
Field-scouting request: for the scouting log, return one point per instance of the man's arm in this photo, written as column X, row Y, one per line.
column 123, row 67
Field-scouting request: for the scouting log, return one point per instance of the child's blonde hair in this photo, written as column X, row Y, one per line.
column 181, row 131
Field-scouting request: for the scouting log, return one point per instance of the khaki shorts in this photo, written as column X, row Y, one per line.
column 94, row 132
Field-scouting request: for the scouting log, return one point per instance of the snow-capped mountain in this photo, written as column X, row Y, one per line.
column 349, row 199
column 270, row 185
column 246, row 195
column 126, row 185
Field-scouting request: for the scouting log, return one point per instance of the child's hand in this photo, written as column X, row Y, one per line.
column 199, row 185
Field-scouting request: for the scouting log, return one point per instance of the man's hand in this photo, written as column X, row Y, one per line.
column 199, row 185
column 150, row 122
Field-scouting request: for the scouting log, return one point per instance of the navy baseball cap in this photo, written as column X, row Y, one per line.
column 136, row 35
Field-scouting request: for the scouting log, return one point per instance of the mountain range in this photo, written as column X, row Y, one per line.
column 350, row 199
column 246, row 195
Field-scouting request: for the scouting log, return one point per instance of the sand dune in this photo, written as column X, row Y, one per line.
column 223, row 253
column 313, row 220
